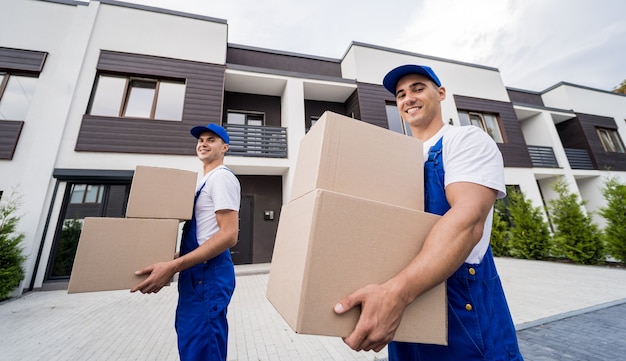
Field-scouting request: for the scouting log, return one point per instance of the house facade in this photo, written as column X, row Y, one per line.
column 88, row 91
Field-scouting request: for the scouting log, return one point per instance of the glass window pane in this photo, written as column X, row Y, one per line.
column 170, row 101
column 617, row 142
column 604, row 139
column 491, row 122
column 255, row 119
column 393, row 119
column 395, row 122
column 66, row 248
column 236, row 118
column 78, row 191
column 92, row 194
column 476, row 121
column 140, row 99
column 108, row 97
column 17, row 97
column 464, row 118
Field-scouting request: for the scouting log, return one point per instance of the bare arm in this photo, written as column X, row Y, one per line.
column 446, row 247
column 161, row 273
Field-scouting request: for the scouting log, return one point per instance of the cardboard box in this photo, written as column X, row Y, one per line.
column 349, row 156
column 161, row 193
column 110, row 250
column 330, row 244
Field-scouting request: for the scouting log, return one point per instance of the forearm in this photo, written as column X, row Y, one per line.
column 449, row 242
column 210, row 249
column 445, row 249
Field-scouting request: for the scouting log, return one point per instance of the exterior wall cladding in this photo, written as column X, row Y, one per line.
column 545, row 135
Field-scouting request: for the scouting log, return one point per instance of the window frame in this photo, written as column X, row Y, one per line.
column 483, row 123
column 611, row 141
column 122, row 108
column 246, row 114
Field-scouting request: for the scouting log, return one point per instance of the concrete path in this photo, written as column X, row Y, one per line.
column 118, row 325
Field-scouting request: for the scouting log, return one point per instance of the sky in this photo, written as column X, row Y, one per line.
column 534, row 43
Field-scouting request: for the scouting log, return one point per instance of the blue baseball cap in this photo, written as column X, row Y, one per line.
column 391, row 79
column 219, row 131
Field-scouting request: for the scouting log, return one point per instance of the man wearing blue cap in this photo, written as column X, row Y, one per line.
column 207, row 277
column 463, row 176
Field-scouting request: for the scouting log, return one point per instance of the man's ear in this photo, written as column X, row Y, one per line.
column 442, row 93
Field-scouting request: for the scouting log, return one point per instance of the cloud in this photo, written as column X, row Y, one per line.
column 534, row 43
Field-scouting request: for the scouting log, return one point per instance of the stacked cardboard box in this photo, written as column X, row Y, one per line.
column 110, row 250
column 355, row 217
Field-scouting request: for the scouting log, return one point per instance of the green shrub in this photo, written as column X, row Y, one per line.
column 615, row 215
column 529, row 233
column 576, row 237
column 11, row 258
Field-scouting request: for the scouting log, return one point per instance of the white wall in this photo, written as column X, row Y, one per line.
column 58, row 30
column 122, row 29
column 73, row 36
column 369, row 65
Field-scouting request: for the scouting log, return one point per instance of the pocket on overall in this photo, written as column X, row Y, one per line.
column 219, row 287
column 464, row 324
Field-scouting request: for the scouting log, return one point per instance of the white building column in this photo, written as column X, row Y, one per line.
column 292, row 115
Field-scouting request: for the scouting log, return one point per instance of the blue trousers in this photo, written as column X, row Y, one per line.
column 201, row 325
column 204, row 292
column 479, row 322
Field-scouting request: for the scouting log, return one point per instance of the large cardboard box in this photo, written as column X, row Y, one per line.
column 330, row 244
column 349, row 156
column 162, row 193
column 110, row 250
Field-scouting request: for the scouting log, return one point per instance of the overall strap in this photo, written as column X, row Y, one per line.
column 434, row 153
column 434, row 181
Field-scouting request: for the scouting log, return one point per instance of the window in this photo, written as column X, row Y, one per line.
column 245, row 118
column 16, row 93
column 396, row 123
column 485, row 121
column 611, row 141
column 120, row 96
column 86, row 193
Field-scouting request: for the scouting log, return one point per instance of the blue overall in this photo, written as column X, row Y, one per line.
column 479, row 322
column 204, row 292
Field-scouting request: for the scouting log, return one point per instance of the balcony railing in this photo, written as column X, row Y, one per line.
column 257, row 141
column 579, row 158
column 542, row 157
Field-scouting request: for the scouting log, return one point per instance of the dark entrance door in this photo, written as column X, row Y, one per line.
column 82, row 200
column 242, row 251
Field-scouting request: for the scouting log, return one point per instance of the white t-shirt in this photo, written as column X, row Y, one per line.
column 470, row 155
column 222, row 191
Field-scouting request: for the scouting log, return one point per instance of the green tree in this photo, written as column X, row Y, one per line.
column 11, row 258
column 529, row 234
column 576, row 237
column 615, row 215
column 621, row 88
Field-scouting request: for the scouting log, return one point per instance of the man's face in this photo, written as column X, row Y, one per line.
column 418, row 99
column 210, row 147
